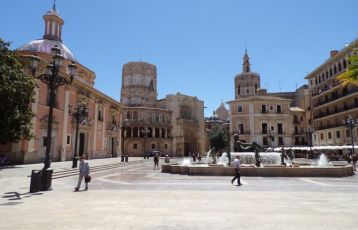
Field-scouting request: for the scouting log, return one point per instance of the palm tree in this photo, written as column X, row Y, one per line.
column 351, row 75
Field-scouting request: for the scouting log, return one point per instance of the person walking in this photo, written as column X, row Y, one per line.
column 156, row 161
column 84, row 171
column 237, row 171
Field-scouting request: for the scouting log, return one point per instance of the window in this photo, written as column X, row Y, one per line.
column 315, row 138
column 322, row 136
column 264, row 128
column 68, row 139
column 279, row 109
column 44, row 141
column 272, row 128
column 263, row 108
column 241, row 128
column 153, row 146
column 185, row 112
column 166, row 146
column 99, row 114
column 338, row 134
column 348, row 133
column 271, row 107
column 329, row 135
column 239, row 108
column 280, row 140
column 135, row 116
column 264, row 141
column 135, row 146
column 279, row 128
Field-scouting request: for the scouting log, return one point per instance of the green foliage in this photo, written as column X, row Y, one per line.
column 351, row 75
column 218, row 138
column 16, row 94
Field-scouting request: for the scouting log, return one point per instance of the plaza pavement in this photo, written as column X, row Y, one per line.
column 138, row 197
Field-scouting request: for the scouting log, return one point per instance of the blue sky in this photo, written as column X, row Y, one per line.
column 197, row 45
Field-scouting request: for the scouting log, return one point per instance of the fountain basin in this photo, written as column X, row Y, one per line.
column 268, row 171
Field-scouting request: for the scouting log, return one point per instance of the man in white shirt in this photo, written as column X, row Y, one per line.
column 237, row 171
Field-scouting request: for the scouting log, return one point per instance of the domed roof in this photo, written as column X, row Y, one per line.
column 45, row 45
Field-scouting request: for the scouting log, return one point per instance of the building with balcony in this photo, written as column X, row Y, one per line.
column 331, row 102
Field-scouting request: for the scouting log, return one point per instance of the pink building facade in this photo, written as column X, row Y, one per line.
column 99, row 133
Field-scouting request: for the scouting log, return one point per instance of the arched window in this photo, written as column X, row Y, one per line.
column 185, row 112
column 135, row 116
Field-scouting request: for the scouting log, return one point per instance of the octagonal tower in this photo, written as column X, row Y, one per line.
column 139, row 84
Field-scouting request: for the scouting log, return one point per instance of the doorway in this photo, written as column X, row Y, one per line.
column 113, row 147
column 81, row 148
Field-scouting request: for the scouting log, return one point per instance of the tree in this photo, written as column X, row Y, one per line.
column 218, row 138
column 16, row 95
column 351, row 75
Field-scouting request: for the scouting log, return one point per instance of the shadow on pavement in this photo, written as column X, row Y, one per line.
column 19, row 196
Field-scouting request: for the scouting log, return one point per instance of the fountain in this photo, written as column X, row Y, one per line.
column 185, row 162
column 322, row 161
column 223, row 160
column 255, row 162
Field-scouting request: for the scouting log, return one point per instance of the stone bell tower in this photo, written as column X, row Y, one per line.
column 247, row 83
column 139, row 84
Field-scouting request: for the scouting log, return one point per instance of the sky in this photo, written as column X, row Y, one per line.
column 196, row 45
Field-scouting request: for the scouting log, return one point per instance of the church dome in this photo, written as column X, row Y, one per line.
column 51, row 37
column 45, row 46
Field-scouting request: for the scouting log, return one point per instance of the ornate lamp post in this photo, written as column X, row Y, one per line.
column 53, row 80
column 351, row 123
column 80, row 113
column 123, row 125
column 309, row 131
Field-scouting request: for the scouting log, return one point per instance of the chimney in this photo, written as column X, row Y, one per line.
column 333, row 53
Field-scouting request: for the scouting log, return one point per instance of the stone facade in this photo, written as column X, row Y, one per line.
column 267, row 118
column 173, row 125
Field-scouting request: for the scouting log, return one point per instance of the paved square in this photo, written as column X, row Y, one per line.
column 138, row 197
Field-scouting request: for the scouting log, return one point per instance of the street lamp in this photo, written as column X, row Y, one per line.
column 145, row 131
column 53, row 80
column 123, row 126
column 80, row 113
column 270, row 136
column 351, row 123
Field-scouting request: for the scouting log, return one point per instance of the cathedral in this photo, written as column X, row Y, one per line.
column 173, row 125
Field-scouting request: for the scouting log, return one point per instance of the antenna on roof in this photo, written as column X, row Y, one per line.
column 279, row 84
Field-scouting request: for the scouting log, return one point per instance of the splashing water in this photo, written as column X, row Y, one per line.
column 223, row 160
